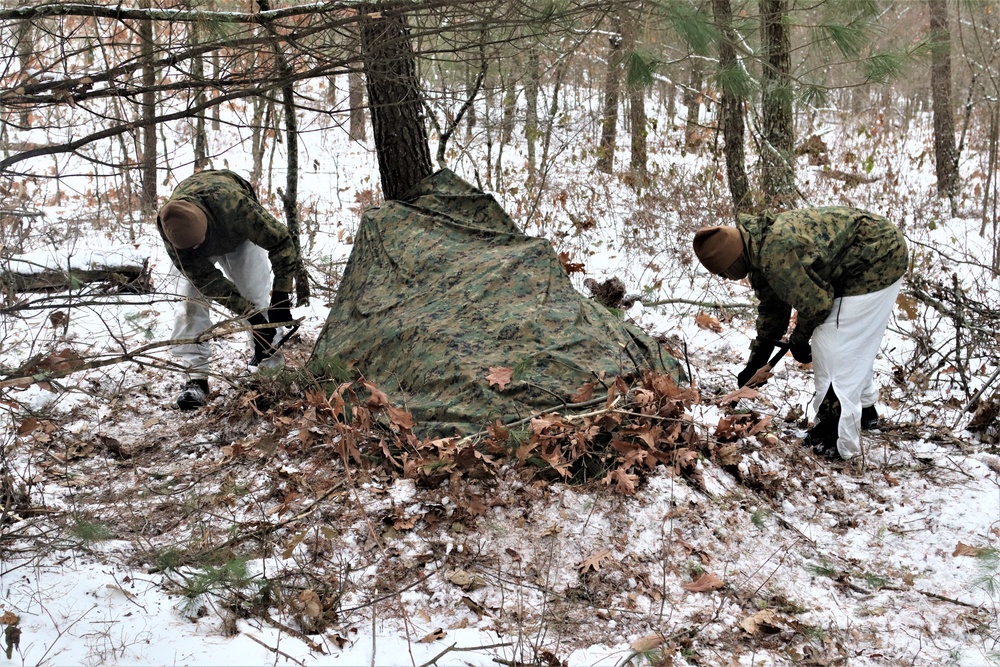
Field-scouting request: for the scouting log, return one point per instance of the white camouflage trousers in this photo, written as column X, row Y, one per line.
column 250, row 270
column 844, row 348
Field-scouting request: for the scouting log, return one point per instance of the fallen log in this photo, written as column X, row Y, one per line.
column 117, row 279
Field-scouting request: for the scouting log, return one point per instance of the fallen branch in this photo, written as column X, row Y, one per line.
column 943, row 598
column 134, row 279
column 716, row 305
column 456, row 649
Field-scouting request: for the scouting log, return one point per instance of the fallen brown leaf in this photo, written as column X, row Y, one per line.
column 594, row 561
column 703, row 584
column 437, row 635
column 500, row 376
column 706, row 321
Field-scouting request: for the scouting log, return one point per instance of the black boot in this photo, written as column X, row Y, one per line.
column 193, row 395
column 869, row 418
column 822, row 439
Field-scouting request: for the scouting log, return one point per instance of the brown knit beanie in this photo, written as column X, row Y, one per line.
column 718, row 248
column 184, row 224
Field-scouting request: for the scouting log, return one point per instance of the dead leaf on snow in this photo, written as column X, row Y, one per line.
column 310, row 604
column 500, row 376
column 647, row 643
column 437, row 635
column 968, row 550
column 594, row 561
column 706, row 321
column 764, row 621
column 703, row 584
column 466, row 580
column 474, row 607
column 624, row 483
column 10, row 618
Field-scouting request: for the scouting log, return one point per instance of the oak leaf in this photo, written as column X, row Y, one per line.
column 703, row 584
column 735, row 396
column 594, row 561
column 968, row 550
column 500, row 376
column 764, row 621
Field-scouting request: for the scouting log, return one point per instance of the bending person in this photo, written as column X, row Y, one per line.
column 225, row 248
column 840, row 269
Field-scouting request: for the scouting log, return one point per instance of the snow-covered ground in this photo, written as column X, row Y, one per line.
column 236, row 535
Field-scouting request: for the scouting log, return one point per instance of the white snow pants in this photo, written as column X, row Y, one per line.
column 844, row 348
column 250, row 270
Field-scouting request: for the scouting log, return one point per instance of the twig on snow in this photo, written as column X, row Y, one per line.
column 274, row 649
column 455, row 649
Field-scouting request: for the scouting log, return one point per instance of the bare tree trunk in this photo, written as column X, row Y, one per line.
column 636, row 90
column 692, row 100
column 732, row 83
column 612, row 87
column 777, row 153
column 531, row 101
column 945, row 153
column 290, row 196
column 198, row 74
column 404, row 156
column 24, row 45
column 148, row 106
column 509, row 109
column 356, row 101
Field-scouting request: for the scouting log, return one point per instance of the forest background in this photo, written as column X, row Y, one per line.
column 614, row 129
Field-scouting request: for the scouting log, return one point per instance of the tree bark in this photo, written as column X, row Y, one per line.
column 531, row 112
column 637, row 103
column 356, row 99
column 612, row 87
column 692, row 101
column 198, row 73
column 731, row 108
column 945, row 153
column 290, row 196
column 148, row 111
column 395, row 103
column 777, row 153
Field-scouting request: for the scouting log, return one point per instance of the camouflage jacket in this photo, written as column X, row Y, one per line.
column 234, row 216
column 804, row 259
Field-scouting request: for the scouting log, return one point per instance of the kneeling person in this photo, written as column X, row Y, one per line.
column 225, row 248
column 840, row 268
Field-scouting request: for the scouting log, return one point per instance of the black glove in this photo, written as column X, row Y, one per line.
column 758, row 359
column 280, row 310
column 802, row 352
column 261, row 339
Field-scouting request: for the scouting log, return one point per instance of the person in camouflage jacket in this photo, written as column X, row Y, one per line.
column 225, row 247
column 840, row 269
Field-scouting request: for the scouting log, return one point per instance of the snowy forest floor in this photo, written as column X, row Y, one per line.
column 264, row 530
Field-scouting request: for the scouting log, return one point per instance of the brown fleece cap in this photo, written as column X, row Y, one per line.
column 184, row 224
column 718, row 247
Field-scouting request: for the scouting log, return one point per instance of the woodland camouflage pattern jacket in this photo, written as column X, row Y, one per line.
column 805, row 258
column 234, row 216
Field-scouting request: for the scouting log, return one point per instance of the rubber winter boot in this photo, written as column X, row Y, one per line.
column 869, row 418
column 194, row 395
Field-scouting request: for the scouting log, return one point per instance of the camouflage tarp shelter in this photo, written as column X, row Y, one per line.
column 441, row 286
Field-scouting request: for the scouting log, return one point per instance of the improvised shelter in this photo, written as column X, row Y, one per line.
column 441, row 286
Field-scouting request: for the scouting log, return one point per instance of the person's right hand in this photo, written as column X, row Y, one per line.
column 758, row 359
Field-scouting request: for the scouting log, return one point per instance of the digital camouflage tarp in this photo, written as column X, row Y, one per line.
column 441, row 287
